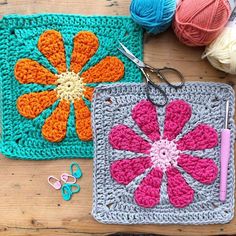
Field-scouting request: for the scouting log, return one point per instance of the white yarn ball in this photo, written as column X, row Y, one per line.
column 221, row 53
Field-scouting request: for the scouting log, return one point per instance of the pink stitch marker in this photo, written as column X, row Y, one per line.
column 54, row 182
column 224, row 155
column 65, row 178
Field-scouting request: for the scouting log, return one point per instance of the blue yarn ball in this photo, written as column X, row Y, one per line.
column 154, row 15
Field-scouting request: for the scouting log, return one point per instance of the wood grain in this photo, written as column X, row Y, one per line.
column 28, row 206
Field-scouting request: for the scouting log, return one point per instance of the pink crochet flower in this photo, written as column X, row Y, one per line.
column 163, row 154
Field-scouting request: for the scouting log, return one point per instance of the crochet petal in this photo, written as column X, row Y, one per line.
column 51, row 45
column 29, row 71
column 54, row 128
column 83, row 120
column 85, row 46
column 32, row 104
column 148, row 192
column 201, row 137
column 88, row 93
column 126, row 170
column 121, row 137
column 179, row 192
column 203, row 170
column 145, row 116
column 110, row 69
column 178, row 112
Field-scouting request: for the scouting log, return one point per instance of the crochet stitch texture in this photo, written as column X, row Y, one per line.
column 163, row 154
column 160, row 165
column 50, row 66
column 71, row 86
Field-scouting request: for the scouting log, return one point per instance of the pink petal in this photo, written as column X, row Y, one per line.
column 179, row 192
column 178, row 112
column 121, row 137
column 124, row 171
column 203, row 170
column 144, row 114
column 201, row 137
column 148, row 192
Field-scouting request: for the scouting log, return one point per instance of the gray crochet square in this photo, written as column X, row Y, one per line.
column 113, row 203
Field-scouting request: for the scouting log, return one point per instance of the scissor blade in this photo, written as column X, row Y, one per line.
column 132, row 58
column 130, row 55
column 126, row 49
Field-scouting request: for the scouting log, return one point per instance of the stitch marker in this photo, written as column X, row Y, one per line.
column 224, row 155
column 65, row 178
column 54, row 182
column 67, row 190
column 77, row 173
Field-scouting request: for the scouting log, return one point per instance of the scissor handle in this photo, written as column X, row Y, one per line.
column 149, row 84
column 160, row 73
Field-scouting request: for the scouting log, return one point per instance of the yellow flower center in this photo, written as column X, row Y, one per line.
column 70, row 86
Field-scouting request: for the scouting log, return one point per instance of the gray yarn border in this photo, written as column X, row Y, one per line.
column 223, row 213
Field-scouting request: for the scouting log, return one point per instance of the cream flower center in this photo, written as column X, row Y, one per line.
column 164, row 154
column 70, row 86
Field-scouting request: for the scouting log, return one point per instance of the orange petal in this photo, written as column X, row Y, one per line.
column 110, row 69
column 54, row 128
column 30, row 71
column 88, row 93
column 51, row 45
column 85, row 45
column 32, row 104
column 83, row 120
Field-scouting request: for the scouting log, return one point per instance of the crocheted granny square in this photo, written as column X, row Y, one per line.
column 49, row 68
column 161, row 164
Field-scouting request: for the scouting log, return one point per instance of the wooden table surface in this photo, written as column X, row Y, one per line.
column 28, row 206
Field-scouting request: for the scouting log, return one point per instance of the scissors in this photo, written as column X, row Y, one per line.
column 160, row 72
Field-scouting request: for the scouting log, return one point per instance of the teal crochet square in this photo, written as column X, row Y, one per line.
column 36, row 122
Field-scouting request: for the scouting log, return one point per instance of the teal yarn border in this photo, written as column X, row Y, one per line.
column 20, row 137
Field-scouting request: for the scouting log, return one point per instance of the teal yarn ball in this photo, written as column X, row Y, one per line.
column 153, row 15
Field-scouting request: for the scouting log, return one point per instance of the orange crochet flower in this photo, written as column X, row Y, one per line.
column 70, row 84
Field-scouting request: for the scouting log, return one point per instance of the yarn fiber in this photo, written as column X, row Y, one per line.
column 42, row 116
column 130, row 186
column 221, row 53
column 199, row 22
column 155, row 16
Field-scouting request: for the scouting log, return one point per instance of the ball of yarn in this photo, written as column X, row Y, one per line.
column 154, row 15
column 221, row 53
column 199, row 22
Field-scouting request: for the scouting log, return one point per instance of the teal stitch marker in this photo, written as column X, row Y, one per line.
column 77, row 173
column 67, row 191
